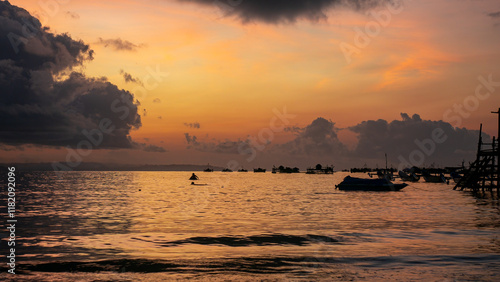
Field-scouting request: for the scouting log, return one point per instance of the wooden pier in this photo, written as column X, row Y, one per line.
column 483, row 174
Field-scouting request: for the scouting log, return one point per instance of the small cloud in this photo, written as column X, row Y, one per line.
column 495, row 15
column 160, row 117
column 150, row 148
column 129, row 78
column 144, row 112
column 120, row 45
column 154, row 149
column 194, row 125
column 72, row 15
column 190, row 139
column 157, row 101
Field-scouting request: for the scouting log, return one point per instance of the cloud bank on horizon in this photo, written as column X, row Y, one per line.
column 44, row 101
column 285, row 11
column 409, row 141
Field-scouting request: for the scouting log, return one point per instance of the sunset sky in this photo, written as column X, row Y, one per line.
column 409, row 67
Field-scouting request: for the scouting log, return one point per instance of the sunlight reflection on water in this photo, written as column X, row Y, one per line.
column 298, row 221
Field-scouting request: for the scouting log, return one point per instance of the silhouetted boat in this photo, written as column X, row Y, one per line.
column 385, row 174
column 319, row 169
column 360, row 184
column 242, row 170
column 433, row 177
column 259, row 170
column 208, row 169
column 411, row 177
column 227, row 170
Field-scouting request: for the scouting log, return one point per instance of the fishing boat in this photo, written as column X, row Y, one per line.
column 408, row 176
column 227, row 170
column 361, row 184
column 259, row 170
column 242, row 170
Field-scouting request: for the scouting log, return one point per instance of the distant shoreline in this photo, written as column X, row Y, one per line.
column 111, row 167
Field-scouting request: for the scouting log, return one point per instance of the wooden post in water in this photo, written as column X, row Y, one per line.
column 480, row 141
column 497, row 173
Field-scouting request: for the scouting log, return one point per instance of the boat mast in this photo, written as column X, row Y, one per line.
column 385, row 162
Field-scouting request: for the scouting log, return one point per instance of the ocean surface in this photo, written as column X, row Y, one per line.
column 155, row 226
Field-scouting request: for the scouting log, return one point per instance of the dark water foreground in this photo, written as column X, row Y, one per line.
column 154, row 226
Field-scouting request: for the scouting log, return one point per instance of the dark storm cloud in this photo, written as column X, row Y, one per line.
column 119, row 45
column 318, row 138
column 404, row 137
column 36, row 108
column 195, row 125
column 277, row 11
column 495, row 15
column 129, row 78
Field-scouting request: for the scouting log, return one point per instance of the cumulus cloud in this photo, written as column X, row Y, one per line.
column 318, row 138
column 119, row 45
column 43, row 101
column 403, row 137
column 400, row 139
column 129, row 78
column 436, row 142
column 278, row 11
column 195, row 125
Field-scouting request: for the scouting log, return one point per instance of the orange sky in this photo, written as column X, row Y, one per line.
column 228, row 76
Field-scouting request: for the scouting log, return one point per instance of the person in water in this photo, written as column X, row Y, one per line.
column 193, row 177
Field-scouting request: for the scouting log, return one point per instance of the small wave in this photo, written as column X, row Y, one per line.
column 261, row 265
column 256, row 240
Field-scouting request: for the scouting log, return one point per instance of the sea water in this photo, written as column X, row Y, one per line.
column 155, row 226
